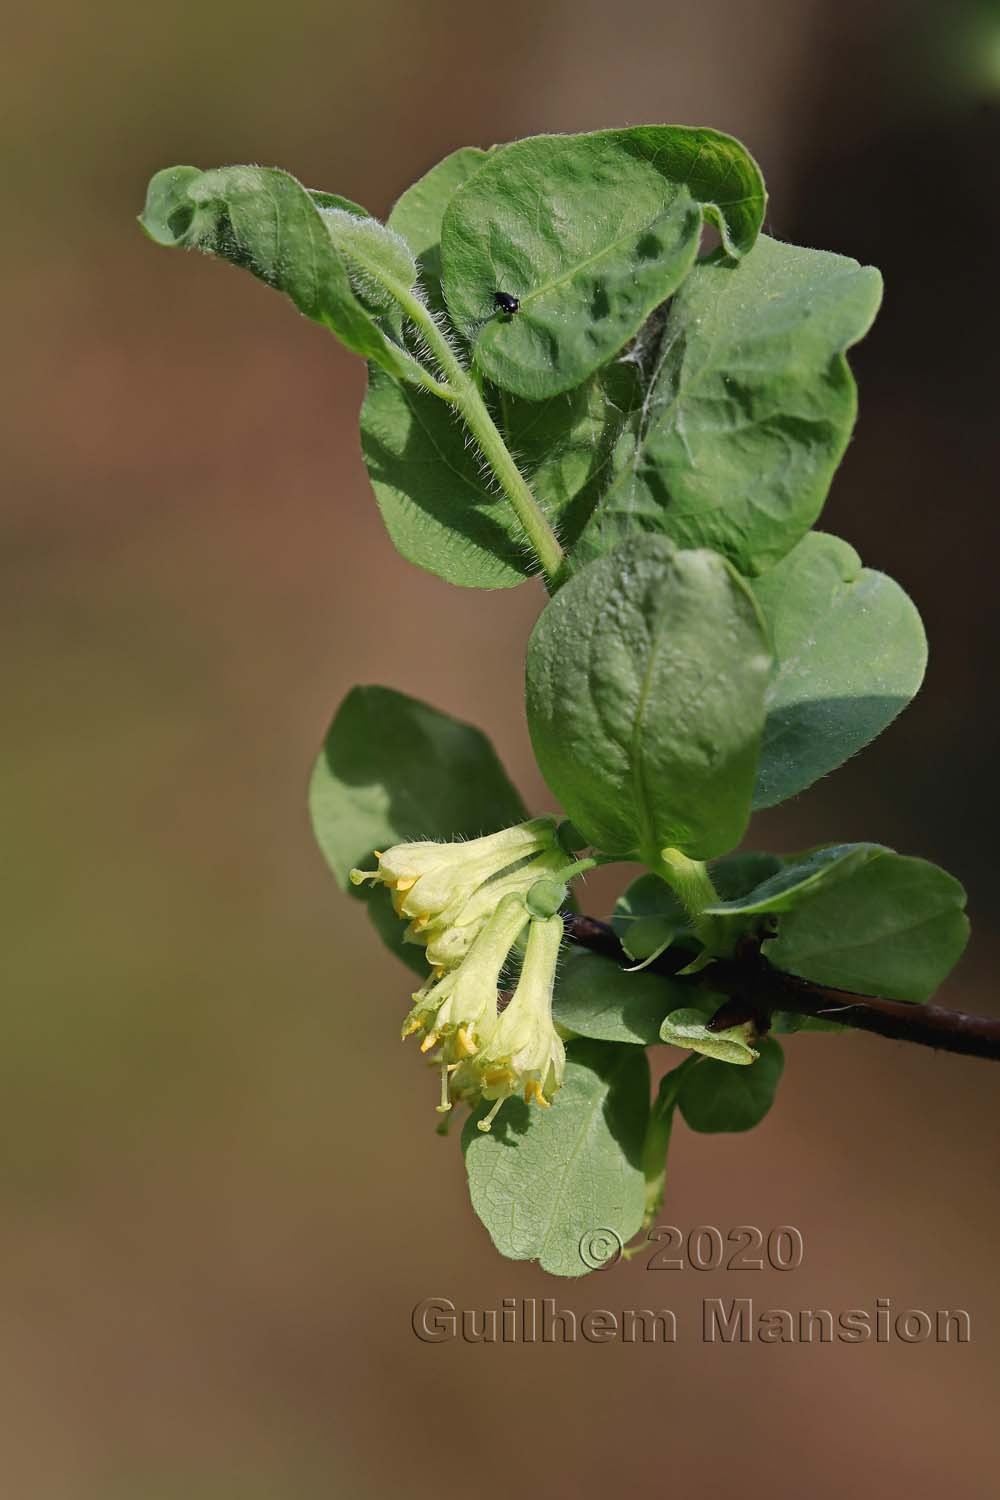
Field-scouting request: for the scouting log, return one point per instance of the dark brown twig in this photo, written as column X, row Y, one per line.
column 754, row 990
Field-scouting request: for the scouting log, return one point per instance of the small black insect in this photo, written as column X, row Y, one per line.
column 504, row 302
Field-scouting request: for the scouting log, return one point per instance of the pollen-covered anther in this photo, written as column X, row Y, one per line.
column 464, row 1045
column 429, row 1041
column 533, row 1091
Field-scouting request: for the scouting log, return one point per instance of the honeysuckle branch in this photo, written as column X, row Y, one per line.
column 755, row 989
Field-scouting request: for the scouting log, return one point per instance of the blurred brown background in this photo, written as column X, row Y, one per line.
column 220, row 1189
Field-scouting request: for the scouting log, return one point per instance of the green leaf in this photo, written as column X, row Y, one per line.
column 437, row 501
column 798, row 880
column 565, row 446
column 850, row 653
column 434, row 494
column 335, row 200
column 266, row 222
column 894, row 928
column 751, row 410
column 418, row 212
column 543, row 1180
column 393, row 769
column 378, row 259
column 596, row 997
column 736, row 874
column 688, row 1027
column 645, row 691
column 591, row 233
column 715, row 1097
column 647, row 917
column 436, row 504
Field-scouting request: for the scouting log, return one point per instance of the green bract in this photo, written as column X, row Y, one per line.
column 563, row 384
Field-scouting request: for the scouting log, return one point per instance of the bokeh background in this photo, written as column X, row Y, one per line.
column 220, row 1188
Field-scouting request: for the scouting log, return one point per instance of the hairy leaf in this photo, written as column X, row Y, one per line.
column 590, row 233
column 645, row 690
column 542, row 1180
column 305, row 245
column 736, row 874
column 850, row 653
column 432, row 491
column 750, row 408
column 435, row 495
column 798, row 880
column 894, row 928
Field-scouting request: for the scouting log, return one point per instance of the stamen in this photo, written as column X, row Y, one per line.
column 429, row 1041
column 445, row 1104
column 533, row 1090
column 464, row 1045
column 487, row 1123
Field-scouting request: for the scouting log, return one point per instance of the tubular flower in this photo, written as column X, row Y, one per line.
column 448, row 945
column 523, row 1053
column 457, row 1010
column 431, row 883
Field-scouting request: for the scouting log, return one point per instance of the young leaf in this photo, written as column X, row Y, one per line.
column 647, row 917
column 645, row 691
column 379, row 259
column 850, row 653
column 688, row 1027
column 590, row 233
column 418, row 212
column 543, row 1180
column 266, row 222
column 434, row 494
column 751, row 407
column 714, row 1096
column 595, row 997
column 393, row 769
column 798, row 880
column 894, row 927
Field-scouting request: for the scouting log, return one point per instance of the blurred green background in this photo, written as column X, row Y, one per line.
column 220, row 1189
